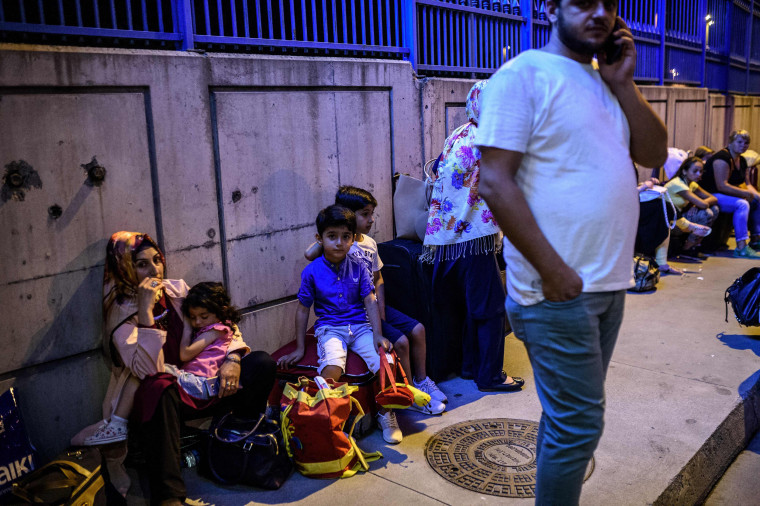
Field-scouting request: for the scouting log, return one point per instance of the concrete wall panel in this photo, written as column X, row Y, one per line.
column 689, row 131
column 268, row 329
column 268, row 267
column 52, row 317
column 720, row 113
column 57, row 133
column 742, row 118
column 363, row 126
column 443, row 103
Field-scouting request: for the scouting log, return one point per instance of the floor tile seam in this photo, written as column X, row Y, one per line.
column 373, row 473
column 672, row 374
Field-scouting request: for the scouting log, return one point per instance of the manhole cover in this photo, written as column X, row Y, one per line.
column 496, row 456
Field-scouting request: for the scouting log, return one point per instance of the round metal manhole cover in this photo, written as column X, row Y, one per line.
column 496, row 456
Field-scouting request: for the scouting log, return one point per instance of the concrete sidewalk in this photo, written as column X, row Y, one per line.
column 675, row 412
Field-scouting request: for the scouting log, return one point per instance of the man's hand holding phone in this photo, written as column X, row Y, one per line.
column 617, row 61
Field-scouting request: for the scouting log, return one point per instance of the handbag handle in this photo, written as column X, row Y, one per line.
column 242, row 436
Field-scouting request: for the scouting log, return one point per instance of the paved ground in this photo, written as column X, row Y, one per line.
column 674, row 411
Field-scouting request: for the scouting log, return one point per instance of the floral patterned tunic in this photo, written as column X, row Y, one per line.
column 457, row 213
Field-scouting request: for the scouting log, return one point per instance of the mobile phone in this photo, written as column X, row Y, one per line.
column 613, row 52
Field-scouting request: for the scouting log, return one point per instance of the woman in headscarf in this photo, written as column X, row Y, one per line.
column 144, row 325
column 462, row 238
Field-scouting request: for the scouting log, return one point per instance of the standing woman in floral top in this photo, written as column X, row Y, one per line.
column 462, row 240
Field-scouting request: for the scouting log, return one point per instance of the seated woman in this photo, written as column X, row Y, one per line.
column 697, row 209
column 144, row 327
column 726, row 176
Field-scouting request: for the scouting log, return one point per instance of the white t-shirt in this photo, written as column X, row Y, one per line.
column 576, row 173
column 366, row 249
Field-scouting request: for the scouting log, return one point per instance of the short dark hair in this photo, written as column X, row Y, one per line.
column 336, row 216
column 212, row 297
column 354, row 198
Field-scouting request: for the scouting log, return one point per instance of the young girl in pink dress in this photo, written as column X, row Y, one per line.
column 213, row 318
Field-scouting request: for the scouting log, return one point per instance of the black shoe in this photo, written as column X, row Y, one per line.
column 499, row 385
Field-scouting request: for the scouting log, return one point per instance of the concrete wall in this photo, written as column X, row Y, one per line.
column 225, row 159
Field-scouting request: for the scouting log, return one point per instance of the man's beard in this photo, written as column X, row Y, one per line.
column 574, row 43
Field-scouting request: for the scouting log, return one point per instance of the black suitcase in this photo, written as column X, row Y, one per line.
column 408, row 288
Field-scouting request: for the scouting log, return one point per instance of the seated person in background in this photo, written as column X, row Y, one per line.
column 726, row 176
column 697, row 209
column 340, row 288
column 406, row 334
column 703, row 153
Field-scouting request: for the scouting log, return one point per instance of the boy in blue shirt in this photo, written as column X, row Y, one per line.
column 341, row 290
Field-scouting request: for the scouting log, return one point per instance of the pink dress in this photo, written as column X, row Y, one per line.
column 208, row 361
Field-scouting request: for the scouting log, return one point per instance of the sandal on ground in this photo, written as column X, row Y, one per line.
column 667, row 269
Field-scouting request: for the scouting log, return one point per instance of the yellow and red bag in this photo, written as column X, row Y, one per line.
column 313, row 421
column 393, row 394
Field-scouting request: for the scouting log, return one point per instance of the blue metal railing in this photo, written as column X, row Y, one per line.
column 712, row 43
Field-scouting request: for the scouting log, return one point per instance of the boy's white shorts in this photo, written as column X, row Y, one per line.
column 333, row 343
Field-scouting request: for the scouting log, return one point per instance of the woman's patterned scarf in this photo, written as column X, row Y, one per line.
column 460, row 221
column 120, row 279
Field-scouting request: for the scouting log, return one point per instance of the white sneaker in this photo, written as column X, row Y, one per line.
column 429, row 387
column 433, row 407
column 106, row 433
column 389, row 426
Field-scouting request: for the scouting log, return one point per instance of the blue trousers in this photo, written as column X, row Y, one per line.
column 471, row 287
column 569, row 345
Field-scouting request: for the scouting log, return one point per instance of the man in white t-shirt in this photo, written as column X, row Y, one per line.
column 558, row 134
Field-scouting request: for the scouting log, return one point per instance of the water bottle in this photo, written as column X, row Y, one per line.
column 516, row 8
column 496, row 5
column 475, row 3
column 190, row 458
column 486, row 4
column 542, row 11
column 506, row 7
column 321, row 383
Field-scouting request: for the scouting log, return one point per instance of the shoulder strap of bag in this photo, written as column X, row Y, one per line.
column 386, row 373
column 668, row 223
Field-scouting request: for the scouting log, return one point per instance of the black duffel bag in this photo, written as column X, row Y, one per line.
column 744, row 296
column 248, row 452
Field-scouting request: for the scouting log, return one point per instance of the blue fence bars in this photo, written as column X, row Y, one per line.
column 711, row 43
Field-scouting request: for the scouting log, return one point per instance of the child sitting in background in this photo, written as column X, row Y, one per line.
column 406, row 334
column 340, row 288
column 697, row 209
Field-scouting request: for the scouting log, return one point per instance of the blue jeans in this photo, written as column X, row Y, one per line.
column 569, row 345
column 745, row 214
